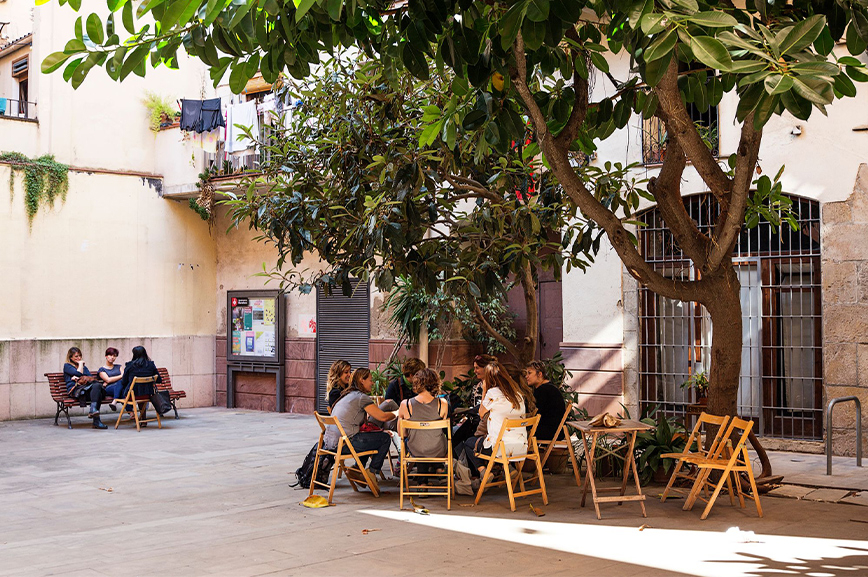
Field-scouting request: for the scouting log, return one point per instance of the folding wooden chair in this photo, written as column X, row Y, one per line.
column 360, row 475
column 727, row 462
column 501, row 457
column 407, row 460
column 130, row 400
column 564, row 443
column 694, row 449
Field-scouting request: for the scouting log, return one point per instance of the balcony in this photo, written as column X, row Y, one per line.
column 17, row 109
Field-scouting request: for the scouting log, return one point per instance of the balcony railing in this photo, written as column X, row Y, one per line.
column 10, row 108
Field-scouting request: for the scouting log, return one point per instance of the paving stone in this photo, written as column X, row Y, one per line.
column 827, row 495
column 791, row 491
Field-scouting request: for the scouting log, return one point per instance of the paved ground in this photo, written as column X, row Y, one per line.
column 208, row 495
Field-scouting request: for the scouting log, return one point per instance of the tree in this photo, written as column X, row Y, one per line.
column 349, row 179
column 777, row 57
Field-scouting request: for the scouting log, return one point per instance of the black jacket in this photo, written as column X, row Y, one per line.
column 148, row 369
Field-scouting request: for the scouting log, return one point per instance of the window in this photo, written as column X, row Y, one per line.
column 779, row 271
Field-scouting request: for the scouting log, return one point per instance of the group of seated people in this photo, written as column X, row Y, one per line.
column 111, row 380
column 504, row 392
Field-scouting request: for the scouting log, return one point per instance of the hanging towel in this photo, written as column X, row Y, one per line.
column 212, row 115
column 191, row 112
column 244, row 115
column 201, row 115
column 2, row 106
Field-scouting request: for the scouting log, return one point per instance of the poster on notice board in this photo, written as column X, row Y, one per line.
column 254, row 324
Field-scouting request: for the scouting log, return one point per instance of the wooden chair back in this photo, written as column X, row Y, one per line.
column 404, row 427
column 688, row 455
column 565, row 443
column 500, row 456
column 361, row 475
column 130, row 402
column 731, row 461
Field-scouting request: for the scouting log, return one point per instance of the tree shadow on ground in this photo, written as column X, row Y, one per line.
column 848, row 566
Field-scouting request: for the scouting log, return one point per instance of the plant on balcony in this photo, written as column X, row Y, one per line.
column 44, row 180
column 203, row 205
column 161, row 111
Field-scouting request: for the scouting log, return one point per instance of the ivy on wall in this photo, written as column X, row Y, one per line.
column 44, row 180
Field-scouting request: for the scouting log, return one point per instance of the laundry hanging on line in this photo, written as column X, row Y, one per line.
column 201, row 115
column 241, row 115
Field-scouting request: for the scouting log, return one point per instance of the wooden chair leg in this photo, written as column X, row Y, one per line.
column 671, row 480
column 334, row 480
column 714, row 495
column 484, row 481
column 508, row 474
column 315, row 471
column 542, row 483
column 576, row 473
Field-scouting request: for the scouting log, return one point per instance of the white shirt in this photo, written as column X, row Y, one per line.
column 499, row 409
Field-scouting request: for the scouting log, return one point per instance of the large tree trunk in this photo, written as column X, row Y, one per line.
column 724, row 306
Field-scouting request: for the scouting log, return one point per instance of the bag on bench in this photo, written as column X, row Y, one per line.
column 304, row 473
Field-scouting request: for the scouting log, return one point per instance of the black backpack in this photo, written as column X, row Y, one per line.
column 304, row 473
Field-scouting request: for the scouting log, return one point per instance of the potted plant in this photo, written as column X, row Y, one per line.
column 668, row 436
column 699, row 383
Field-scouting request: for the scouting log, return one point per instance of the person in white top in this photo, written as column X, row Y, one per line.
column 502, row 398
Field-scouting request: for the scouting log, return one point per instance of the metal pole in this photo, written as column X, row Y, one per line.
column 829, row 408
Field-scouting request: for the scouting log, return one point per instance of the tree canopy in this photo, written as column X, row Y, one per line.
column 537, row 60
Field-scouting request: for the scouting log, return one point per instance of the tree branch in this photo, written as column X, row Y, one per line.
column 731, row 219
column 590, row 206
column 476, row 189
column 486, row 326
column 666, row 188
column 531, row 338
column 680, row 127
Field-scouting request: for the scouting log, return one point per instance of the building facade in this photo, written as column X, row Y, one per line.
column 123, row 260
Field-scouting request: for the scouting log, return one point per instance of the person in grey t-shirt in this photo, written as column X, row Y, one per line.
column 352, row 411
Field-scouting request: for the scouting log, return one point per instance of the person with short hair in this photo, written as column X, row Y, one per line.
column 111, row 374
column 400, row 388
column 549, row 401
column 339, row 378
column 425, row 406
column 479, row 364
column 352, row 410
column 82, row 386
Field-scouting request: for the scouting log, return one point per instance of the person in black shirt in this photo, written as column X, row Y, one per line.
column 401, row 388
column 549, row 401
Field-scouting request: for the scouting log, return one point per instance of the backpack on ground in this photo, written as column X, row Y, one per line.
column 304, row 473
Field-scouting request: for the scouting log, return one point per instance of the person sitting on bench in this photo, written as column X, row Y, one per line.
column 81, row 385
column 140, row 366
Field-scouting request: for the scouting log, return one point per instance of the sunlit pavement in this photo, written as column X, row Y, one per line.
column 208, row 495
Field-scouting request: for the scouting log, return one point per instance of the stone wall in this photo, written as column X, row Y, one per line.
column 597, row 375
column 844, row 238
column 24, row 390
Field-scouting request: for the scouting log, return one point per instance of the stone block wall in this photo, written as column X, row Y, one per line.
column 844, row 238
column 24, row 390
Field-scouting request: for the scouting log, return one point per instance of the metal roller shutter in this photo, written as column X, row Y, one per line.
column 343, row 329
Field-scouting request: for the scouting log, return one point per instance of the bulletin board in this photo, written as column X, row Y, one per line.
column 255, row 327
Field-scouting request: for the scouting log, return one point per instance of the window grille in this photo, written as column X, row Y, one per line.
column 654, row 136
column 781, row 377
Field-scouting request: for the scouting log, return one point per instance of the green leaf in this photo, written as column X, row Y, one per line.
column 538, row 10
column 803, row 34
column 652, row 23
column 713, row 19
column 581, row 66
column 778, row 84
column 302, row 7
column 54, row 61
column 147, row 5
column 855, row 43
column 600, row 61
column 74, row 45
column 654, row 70
column 238, row 77
column 415, row 62
column 661, row 46
column 845, row 86
column 70, row 69
column 174, row 12
column 711, row 52
column 429, row 134
column 82, row 69
column 335, row 7
column 94, row 29
column 240, row 13
column 857, row 74
column 113, row 5
column 133, row 60
column 76, row 4
column 824, row 42
column 810, row 92
column 127, row 18
column 510, row 24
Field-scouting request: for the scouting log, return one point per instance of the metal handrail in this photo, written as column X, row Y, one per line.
column 829, row 408
column 12, row 108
